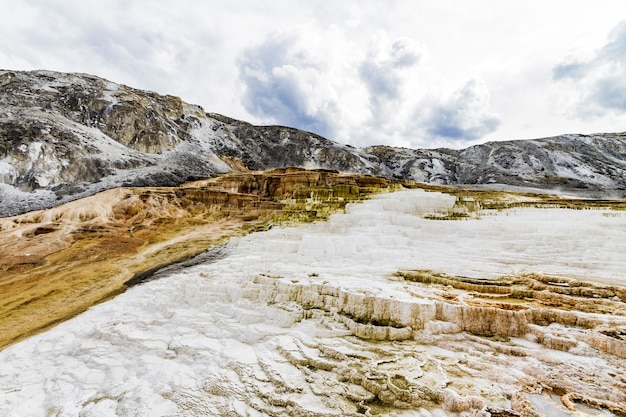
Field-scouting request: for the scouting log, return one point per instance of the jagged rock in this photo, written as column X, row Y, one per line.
column 613, row 342
column 523, row 406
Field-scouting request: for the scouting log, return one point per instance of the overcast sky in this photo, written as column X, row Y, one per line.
column 408, row 73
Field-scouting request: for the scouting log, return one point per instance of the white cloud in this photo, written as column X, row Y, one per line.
column 319, row 80
column 152, row 45
column 385, row 71
column 304, row 79
column 600, row 80
column 465, row 115
column 380, row 69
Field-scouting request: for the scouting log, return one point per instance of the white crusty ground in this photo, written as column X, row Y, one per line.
column 216, row 340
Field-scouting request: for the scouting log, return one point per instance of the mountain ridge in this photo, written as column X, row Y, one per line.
column 66, row 136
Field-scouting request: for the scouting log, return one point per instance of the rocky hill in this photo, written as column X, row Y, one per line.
column 592, row 162
column 67, row 136
column 402, row 302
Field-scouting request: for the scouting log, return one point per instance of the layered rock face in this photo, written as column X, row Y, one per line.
column 56, row 263
column 67, row 136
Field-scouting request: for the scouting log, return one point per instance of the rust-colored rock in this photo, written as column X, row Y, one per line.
column 56, row 263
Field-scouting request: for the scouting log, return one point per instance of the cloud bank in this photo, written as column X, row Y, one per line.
column 601, row 79
column 464, row 115
column 290, row 80
column 322, row 82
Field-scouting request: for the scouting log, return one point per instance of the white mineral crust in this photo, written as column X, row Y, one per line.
column 280, row 326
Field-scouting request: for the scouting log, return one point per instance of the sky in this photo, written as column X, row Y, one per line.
column 408, row 73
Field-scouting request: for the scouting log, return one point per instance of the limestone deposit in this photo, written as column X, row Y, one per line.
column 394, row 306
column 184, row 263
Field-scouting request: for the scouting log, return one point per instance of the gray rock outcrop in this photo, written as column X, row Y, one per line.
column 67, row 136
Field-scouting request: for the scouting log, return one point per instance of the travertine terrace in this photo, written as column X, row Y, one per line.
column 412, row 303
column 56, row 263
column 182, row 267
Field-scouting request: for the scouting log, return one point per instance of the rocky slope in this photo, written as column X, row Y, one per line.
column 67, row 136
column 568, row 161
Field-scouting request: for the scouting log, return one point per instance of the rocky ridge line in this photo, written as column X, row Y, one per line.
column 68, row 136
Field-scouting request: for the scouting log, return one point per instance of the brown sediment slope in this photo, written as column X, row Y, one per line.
column 56, row 263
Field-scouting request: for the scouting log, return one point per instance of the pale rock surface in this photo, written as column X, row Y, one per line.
column 312, row 321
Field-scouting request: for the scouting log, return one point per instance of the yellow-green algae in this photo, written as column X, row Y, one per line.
column 150, row 229
column 310, row 204
column 474, row 203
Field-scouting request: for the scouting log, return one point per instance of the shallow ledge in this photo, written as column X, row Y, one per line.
column 449, row 315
